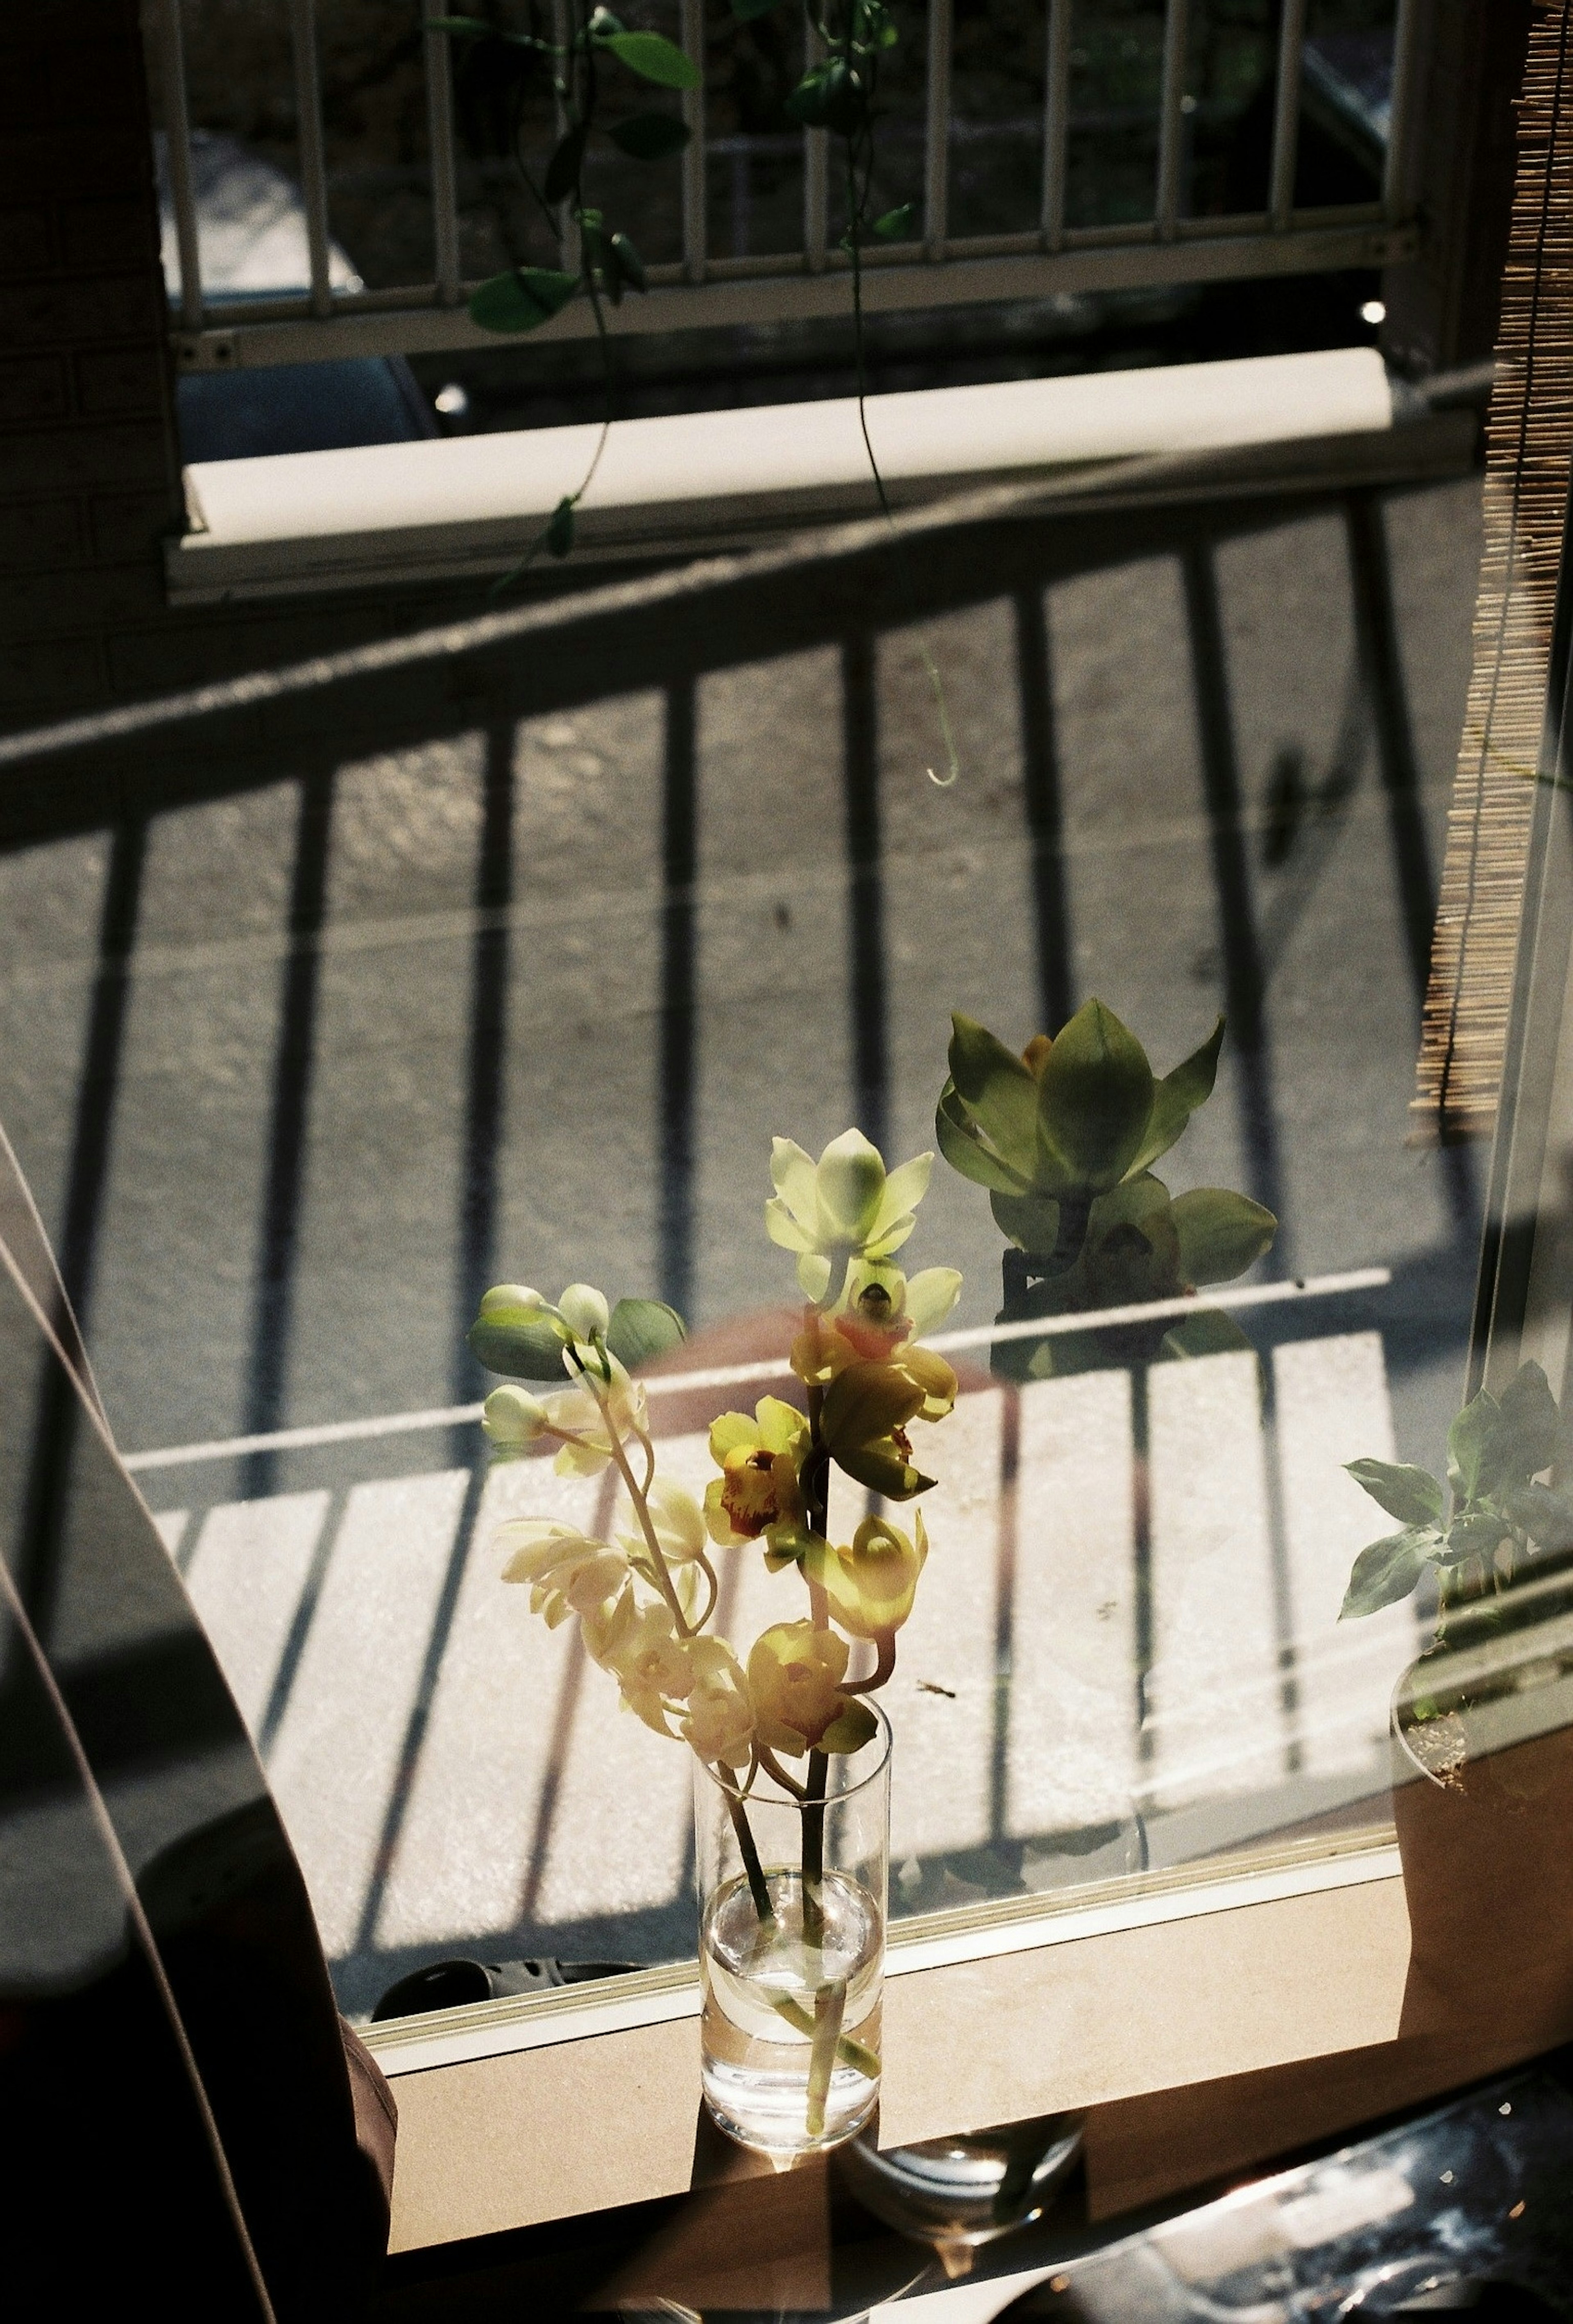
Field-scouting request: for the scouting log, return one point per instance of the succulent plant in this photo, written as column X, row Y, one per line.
column 1065, row 1136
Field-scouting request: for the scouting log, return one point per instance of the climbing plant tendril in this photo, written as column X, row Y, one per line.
column 836, row 94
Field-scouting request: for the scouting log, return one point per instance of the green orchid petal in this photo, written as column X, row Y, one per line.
column 890, row 1238
column 905, row 1188
column 730, row 1431
column 851, row 1185
column 793, row 1175
column 931, row 1296
column 780, row 1426
column 813, row 1276
column 785, row 1228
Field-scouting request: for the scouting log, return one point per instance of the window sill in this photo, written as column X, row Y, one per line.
column 520, row 2112
column 468, row 507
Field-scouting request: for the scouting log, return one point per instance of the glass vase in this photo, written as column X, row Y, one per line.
column 792, row 1946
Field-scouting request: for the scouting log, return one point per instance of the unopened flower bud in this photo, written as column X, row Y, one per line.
column 512, row 1298
column 513, row 1417
column 585, row 1311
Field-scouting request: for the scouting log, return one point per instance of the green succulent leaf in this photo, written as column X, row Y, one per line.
column 1095, row 1096
column 1386, row 1571
column 1178, row 1097
column 999, row 1091
column 563, row 169
column 654, row 57
column 1411, row 1495
column 651, row 136
column 522, row 300
column 964, row 1147
column 559, row 529
column 519, row 1344
column 1545, row 1514
column 1031, row 1221
column 643, row 1329
column 1221, row 1235
column 1529, row 1434
column 1467, row 1439
column 1209, row 1332
column 896, row 226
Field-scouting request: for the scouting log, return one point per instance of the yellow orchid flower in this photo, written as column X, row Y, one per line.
column 569, row 1572
column 795, row 1675
column 866, row 1410
column 871, row 1585
column 649, row 1663
column 757, row 1493
column 718, row 1720
column 842, row 1207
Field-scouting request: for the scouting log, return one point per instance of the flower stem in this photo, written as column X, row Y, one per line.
column 758, row 1888
column 829, row 2008
column 813, row 1851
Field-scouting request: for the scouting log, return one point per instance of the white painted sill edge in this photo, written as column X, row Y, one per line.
column 977, row 1932
column 675, row 484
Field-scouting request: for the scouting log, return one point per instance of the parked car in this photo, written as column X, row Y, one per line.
column 251, row 243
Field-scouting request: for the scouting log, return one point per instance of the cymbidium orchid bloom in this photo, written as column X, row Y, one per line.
column 795, row 1677
column 841, row 1208
column 880, row 1309
column 649, row 1663
column 569, row 1572
column 757, row 1494
column 718, row 1721
column 866, row 1410
column 871, row 1585
column 678, row 1521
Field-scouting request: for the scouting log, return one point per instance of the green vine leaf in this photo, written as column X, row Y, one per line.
column 559, row 532
column 649, row 137
column 630, row 265
column 521, row 300
column 654, row 57
column 475, row 28
column 896, row 226
column 831, row 97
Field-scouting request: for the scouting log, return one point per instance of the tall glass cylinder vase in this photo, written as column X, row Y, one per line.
column 792, row 1946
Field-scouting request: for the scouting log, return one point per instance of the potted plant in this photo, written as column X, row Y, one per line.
column 1483, row 1761
column 1065, row 1137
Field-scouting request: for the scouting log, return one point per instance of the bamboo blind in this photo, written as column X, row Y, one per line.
column 1528, row 453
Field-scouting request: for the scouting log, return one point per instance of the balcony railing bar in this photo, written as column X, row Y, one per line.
column 1219, row 247
column 445, row 201
column 1243, row 230
column 178, row 146
column 936, row 177
column 1056, row 124
column 1287, row 115
column 694, row 152
column 1406, row 78
column 313, row 157
column 1171, row 123
column 816, row 171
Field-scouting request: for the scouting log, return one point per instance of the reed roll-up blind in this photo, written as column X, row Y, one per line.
column 1528, row 460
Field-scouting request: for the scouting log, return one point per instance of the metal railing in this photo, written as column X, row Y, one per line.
column 943, row 269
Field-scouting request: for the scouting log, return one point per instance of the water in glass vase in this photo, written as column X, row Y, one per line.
column 790, row 2033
